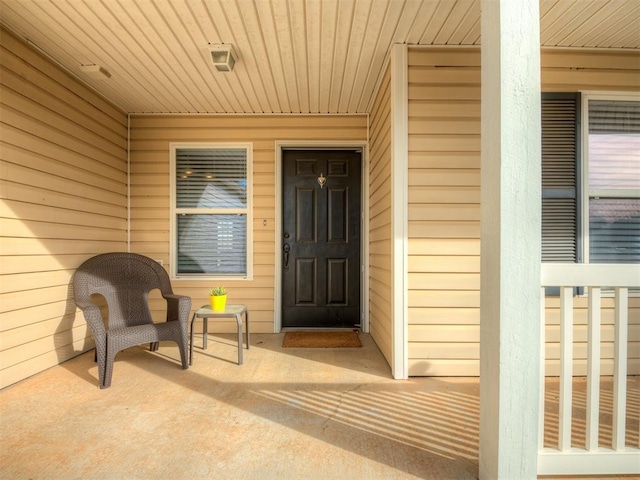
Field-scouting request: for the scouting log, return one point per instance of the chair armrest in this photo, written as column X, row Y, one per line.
column 93, row 317
column 178, row 307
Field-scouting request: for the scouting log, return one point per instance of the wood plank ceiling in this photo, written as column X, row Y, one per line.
column 295, row 56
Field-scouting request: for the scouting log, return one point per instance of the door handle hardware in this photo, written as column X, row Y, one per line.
column 286, row 248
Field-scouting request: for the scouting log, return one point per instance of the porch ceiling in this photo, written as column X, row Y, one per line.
column 295, row 56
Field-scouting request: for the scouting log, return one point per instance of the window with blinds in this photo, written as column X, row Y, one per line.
column 613, row 180
column 211, row 210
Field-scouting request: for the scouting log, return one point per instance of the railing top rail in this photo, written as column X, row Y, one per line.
column 590, row 275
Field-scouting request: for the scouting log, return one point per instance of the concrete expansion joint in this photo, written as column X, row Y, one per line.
column 331, row 416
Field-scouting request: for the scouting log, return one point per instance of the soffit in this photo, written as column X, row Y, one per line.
column 295, row 56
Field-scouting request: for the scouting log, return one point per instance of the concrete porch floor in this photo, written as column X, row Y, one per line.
column 284, row 414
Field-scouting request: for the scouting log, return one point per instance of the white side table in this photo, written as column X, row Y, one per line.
column 206, row 313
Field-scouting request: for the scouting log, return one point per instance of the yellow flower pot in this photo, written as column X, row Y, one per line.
column 218, row 302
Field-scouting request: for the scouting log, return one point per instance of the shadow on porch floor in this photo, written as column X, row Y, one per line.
column 284, row 414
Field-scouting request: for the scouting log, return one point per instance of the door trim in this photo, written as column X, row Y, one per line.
column 364, row 237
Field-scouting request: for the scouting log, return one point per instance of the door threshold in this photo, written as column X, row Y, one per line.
column 319, row 329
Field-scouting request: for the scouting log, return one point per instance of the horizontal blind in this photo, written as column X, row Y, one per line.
column 211, row 239
column 560, row 219
column 211, row 178
column 214, row 244
column 614, row 230
column 614, row 181
column 613, row 161
column 606, row 116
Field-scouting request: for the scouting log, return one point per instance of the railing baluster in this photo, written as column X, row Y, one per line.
column 593, row 369
column 618, row 458
column 620, row 368
column 566, row 367
column 543, row 355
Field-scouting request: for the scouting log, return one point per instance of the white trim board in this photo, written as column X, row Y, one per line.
column 400, row 206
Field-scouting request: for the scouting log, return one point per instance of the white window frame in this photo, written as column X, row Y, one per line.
column 584, row 162
column 173, row 229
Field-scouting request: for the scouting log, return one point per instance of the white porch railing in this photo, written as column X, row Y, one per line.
column 617, row 458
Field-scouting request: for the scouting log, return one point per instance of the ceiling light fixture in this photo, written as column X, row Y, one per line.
column 223, row 56
column 95, row 72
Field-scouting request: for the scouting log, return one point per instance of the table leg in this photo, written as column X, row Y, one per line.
column 205, row 328
column 246, row 317
column 193, row 319
column 240, row 343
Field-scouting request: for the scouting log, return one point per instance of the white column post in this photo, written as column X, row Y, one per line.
column 399, row 205
column 510, row 231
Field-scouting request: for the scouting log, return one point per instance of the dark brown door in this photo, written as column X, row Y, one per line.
column 321, row 238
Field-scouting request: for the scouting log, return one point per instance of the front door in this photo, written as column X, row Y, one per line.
column 321, row 238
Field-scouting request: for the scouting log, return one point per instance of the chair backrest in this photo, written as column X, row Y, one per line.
column 124, row 280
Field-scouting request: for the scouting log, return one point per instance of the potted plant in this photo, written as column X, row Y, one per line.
column 218, row 297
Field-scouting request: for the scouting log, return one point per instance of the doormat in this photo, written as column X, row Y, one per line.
column 321, row 339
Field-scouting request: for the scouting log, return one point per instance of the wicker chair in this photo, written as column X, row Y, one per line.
column 125, row 280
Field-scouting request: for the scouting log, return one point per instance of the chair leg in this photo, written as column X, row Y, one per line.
column 108, row 368
column 182, row 340
column 184, row 353
column 100, row 357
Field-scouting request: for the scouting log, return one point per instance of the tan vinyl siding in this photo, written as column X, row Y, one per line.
column 380, row 305
column 63, row 198
column 444, row 204
column 150, row 193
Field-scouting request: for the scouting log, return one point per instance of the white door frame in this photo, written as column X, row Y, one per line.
column 364, row 224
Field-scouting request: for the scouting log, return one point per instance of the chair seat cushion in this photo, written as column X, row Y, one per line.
column 120, row 338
